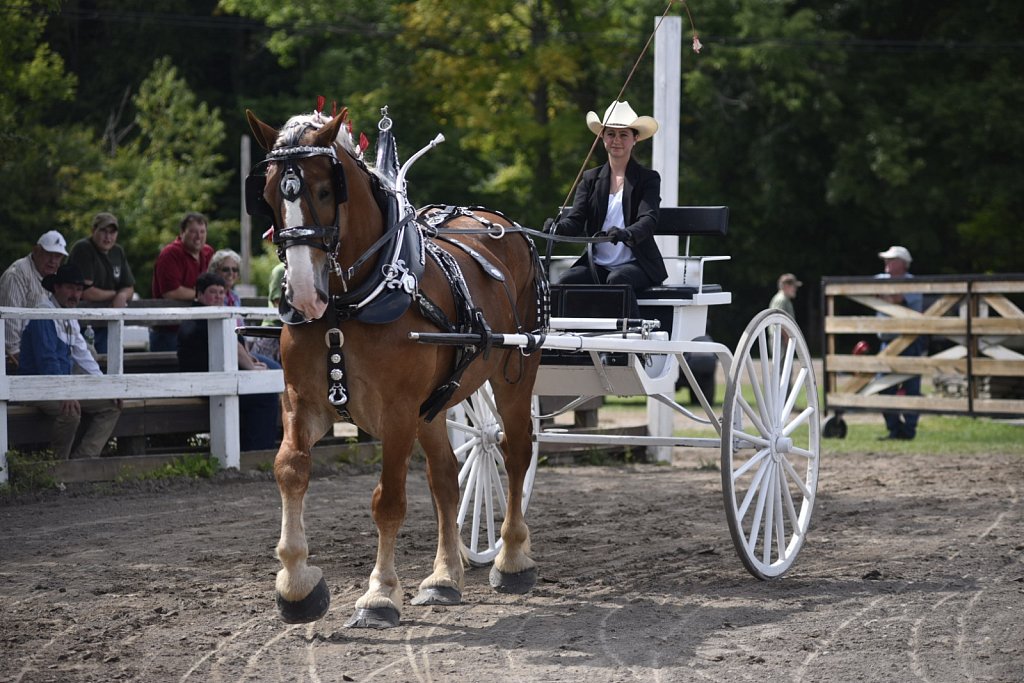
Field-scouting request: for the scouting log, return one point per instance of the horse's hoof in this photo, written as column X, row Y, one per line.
column 438, row 595
column 377, row 617
column 309, row 608
column 518, row 583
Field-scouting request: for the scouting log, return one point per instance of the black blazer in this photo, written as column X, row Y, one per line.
column 641, row 197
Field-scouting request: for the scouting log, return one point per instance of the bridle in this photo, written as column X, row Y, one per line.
column 391, row 249
column 292, row 186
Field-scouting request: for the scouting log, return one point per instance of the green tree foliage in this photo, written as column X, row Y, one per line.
column 169, row 167
column 832, row 130
column 34, row 82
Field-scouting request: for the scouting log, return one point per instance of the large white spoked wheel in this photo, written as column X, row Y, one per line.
column 770, row 444
column 475, row 431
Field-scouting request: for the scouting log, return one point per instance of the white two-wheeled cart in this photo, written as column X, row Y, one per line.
column 768, row 430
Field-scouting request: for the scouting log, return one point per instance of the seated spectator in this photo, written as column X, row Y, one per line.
column 105, row 267
column 21, row 285
column 228, row 264
column 258, row 413
column 271, row 346
column 56, row 347
column 175, row 273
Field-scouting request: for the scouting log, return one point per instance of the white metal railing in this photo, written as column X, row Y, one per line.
column 223, row 384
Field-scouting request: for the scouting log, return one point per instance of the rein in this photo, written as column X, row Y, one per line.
column 496, row 233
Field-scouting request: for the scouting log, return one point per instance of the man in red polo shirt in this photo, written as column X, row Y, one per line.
column 175, row 273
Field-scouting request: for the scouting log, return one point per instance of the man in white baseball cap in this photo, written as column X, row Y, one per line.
column 897, row 252
column 21, row 285
column 902, row 424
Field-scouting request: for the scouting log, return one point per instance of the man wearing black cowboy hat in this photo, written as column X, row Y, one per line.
column 57, row 347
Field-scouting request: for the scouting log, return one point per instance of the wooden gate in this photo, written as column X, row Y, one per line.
column 974, row 327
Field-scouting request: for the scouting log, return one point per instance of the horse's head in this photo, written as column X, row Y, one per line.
column 305, row 193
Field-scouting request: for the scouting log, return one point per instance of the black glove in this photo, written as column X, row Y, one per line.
column 616, row 235
column 549, row 225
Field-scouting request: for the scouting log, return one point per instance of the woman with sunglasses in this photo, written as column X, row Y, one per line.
column 228, row 264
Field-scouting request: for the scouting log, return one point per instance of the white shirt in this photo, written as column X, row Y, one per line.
column 605, row 253
column 21, row 286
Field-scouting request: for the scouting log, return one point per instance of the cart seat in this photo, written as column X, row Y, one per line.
column 675, row 291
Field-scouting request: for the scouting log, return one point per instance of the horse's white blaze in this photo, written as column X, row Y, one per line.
column 300, row 274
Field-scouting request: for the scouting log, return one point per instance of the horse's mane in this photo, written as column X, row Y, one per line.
column 291, row 133
column 296, row 127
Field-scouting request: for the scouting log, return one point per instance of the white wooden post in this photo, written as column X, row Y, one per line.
column 224, row 418
column 667, row 78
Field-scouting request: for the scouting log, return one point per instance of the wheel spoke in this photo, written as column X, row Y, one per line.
column 742, row 469
column 759, row 508
column 800, row 419
column 756, row 486
column 794, row 394
column 755, row 440
column 478, row 498
column 467, row 445
column 758, row 394
column 797, row 479
column 467, row 466
column 464, row 427
column 467, row 480
column 780, row 522
column 766, row 376
column 794, row 518
column 787, row 367
column 769, row 520
column 496, row 460
column 754, row 417
column 802, row 452
column 778, row 364
column 489, row 487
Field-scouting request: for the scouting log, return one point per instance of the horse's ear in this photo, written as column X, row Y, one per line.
column 326, row 136
column 264, row 134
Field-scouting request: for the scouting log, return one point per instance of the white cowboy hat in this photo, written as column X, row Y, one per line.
column 621, row 115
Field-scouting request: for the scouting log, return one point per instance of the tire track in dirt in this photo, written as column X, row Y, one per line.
column 914, row 650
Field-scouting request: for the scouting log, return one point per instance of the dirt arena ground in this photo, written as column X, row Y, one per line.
column 912, row 571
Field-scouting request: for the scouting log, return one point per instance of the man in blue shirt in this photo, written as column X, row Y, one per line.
column 902, row 424
column 57, row 347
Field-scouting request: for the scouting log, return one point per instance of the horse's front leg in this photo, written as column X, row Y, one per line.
column 381, row 605
column 302, row 594
column 444, row 585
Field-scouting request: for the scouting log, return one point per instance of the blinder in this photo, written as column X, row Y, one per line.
column 291, row 181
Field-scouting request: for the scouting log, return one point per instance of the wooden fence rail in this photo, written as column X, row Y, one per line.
column 974, row 325
column 222, row 385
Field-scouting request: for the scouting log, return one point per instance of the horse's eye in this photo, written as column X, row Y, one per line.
column 323, row 195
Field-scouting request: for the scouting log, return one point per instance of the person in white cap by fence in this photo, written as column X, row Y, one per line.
column 21, row 285
column 902, row 424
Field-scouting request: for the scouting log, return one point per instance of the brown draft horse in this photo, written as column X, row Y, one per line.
column 327, row 222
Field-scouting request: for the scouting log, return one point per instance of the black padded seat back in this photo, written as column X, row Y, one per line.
column 707, row 221
column 591, row 301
